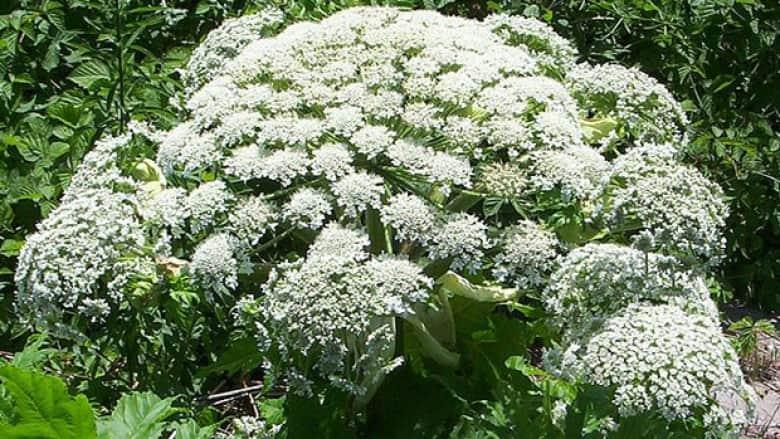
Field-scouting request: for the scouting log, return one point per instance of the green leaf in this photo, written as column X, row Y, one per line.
column 191, row 430
column 241, row 356
column 11, row 247
column 43, row 408
column 138, row 415
column 272, row 410
column 90, row 73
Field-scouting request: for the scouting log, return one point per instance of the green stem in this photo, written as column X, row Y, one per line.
column 431, row 347
column 460, row 286
column 272, row 242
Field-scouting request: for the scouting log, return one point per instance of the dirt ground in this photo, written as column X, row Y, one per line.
column 763, row 372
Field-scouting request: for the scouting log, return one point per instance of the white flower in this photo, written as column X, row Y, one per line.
column 214, row 265
column 597, row 280
column 684, row 211
column 344, row 120
column 660, row 359
column 576, row 171
column 225, row 42
column 357, row 192
column 250, row 220
column 528, row 255
column 438, row 167
column 372, row 140
column 307, row 208
column 99, row 169
column 410, row 217
column 462, row 237
column 75, row 254
column 335, row 241
column 168, row 208
column 506, row 180
column 549, row 48
column 641, row 106
column 330, row 303
column 185, row 148
column 206, row 203
column 331, row 160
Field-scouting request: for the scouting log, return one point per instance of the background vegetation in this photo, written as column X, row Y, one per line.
column 71, row 70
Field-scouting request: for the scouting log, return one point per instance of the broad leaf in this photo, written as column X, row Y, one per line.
column 138, row 415
column 90, row 73
column 43, row 408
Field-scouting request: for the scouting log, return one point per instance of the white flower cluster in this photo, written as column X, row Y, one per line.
column 214, row 265
column 462, row 237
column 205, row 203
column 644, row 110
column 648, row 190
column 528, row 255
column 506, row 180
column 357, row 192
column 75, row 256
column 307, row 208
column 658, row 358
column 410, row 217
column 334, row 306
column 100, row 168
column 548, row 48
column 576, row 171
column 249, row 427
column 224, row 43
column 597, row 280
column 378, row 120
column 644, row 326
column 251, row 219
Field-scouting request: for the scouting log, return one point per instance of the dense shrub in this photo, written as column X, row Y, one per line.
column 720, row 58
column 71, row 71
column 380, row 204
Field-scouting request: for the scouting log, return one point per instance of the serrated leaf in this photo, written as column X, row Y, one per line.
column 43, row 408
column 90, row 73
column 191, row 430
column 138, row 415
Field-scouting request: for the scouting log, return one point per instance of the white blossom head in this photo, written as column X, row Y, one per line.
column 76, row 255
column 331, row 304
column 307, row 208
column 410, row 217
column 598, row 280
column 643, row 109
column 528, row 255
column 659, row 359
column 214, row 265
column 462, row 237
column 250, row 220
column 207, row 203
column 682, row 209
column 357, row 192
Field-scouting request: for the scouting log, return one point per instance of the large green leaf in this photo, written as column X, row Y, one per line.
column 138, row 415
column 42, row 408
column 90, row 73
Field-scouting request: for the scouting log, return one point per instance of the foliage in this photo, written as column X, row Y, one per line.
column 72, row 72
column 41, row 407
column 136, row 416
column 747, row 333
column 720, row 58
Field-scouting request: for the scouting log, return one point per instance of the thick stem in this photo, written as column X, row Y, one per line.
column 462, row 287
column 430, row 346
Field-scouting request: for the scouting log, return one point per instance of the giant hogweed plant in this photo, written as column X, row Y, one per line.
column 375, row 200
